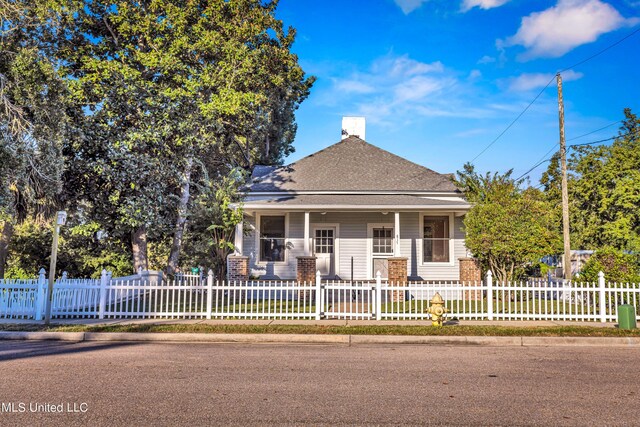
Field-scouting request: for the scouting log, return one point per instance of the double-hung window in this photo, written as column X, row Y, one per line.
column 435, row 239
column 272, row 244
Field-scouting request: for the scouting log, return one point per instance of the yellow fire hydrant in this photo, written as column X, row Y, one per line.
column 437, row 310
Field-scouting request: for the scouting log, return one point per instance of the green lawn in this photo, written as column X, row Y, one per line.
column 532, row 306
column 448, row 330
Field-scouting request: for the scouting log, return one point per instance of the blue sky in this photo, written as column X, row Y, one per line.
column 439, row 80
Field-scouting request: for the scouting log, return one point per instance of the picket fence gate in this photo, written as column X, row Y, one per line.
column 202, row 297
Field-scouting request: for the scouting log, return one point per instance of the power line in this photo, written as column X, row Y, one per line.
column 541, row 162
column 547, row 85
column 608, row 139
column 594, row 131
column 602, row 51
column 514, row 120
column 532, row 168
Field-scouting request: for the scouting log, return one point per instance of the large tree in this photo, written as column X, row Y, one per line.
column 34, row 117
column 507, row 228
column 604, row 190
column 167, row 83
column 165, row 97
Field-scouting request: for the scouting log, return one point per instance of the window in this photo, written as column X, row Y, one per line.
column 383, row 241
column 272, row 245
column 435, row 242
column 323, row 242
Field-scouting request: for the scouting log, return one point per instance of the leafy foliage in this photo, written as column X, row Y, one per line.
column 117, row 101
column 604, row 190
column 507, row 228
column 214, row 219
column 616, row 265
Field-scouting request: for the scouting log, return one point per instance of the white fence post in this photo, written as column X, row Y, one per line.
column 603, row 305
column 209, row 293
column 104, row 279
column 378, row 296
column 42, row 283
column 489, row 295
column 318, row 295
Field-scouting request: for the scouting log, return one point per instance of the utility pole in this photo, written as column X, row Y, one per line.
column 566, row 261
column 61, row 219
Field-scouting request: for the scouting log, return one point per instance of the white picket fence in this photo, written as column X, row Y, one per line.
column 188, row 297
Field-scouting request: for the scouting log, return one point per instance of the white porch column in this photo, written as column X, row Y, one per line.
column 396, row 238
column 307, row 252
column 237, row 240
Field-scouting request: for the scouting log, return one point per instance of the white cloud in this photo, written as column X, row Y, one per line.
column 530, row 81
column 353, row 86
column 419, row 87
column 486, row 59
column 409, row 6
column 482, row 4
column 559, row 29
column 397, row 87
column 474, row 75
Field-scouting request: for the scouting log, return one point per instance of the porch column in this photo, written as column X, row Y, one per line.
column 238, row 237
column 396, row 237
column 471, row 275
column 397, row 277
column 307, row 252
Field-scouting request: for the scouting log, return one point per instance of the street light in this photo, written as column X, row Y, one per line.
column 61, row 219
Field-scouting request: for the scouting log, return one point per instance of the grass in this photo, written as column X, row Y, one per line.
column 449, row 330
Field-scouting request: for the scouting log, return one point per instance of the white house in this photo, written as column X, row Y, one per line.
column 352, row 206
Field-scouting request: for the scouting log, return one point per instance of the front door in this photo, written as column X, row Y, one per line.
column 381, row 249
column 324, row 249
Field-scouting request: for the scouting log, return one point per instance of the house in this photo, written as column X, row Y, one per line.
column 348, row 210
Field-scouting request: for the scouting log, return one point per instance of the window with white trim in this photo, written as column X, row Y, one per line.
column 272, row 244
column 435, row 239
column 382, row 241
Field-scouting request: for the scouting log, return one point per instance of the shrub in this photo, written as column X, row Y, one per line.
column 616, row 265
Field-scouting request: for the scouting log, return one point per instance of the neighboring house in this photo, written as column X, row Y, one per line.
column 352, row 205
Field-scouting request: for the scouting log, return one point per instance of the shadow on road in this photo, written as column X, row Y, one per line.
column 13, row 350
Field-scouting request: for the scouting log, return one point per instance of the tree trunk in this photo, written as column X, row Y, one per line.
column 139, row 249
column 5, row 238
column 185, row 194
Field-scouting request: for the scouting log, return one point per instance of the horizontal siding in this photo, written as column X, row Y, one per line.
column 353, row 239
column 353, row 243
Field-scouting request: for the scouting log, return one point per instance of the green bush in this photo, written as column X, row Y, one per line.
column 616, row 265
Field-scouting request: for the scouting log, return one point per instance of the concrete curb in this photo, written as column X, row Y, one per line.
column 50, row 336
column 436, row 340
column 216, row 338
column 580, row 341
column 490, row 341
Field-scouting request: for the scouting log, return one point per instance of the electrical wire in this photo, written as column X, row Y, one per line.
column 547, row 85
column 602, row 51
column 539, row 163
column 514, row 120
column 605, row 140
column 553, row 147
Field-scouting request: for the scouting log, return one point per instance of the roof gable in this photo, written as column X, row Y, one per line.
column 352, row 165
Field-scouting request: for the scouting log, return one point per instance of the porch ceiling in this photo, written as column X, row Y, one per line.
column 356, row 202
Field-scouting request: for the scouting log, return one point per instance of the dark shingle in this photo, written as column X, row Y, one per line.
column 353, row 165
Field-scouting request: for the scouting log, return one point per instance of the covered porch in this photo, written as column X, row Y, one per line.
column 352, row 237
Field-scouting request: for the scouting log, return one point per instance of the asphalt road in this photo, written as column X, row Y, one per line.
column 228, row 384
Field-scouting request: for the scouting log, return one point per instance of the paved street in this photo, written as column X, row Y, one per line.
column 223, row 384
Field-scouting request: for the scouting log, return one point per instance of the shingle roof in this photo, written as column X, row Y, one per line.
column 367, row 200
column 352, row 165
